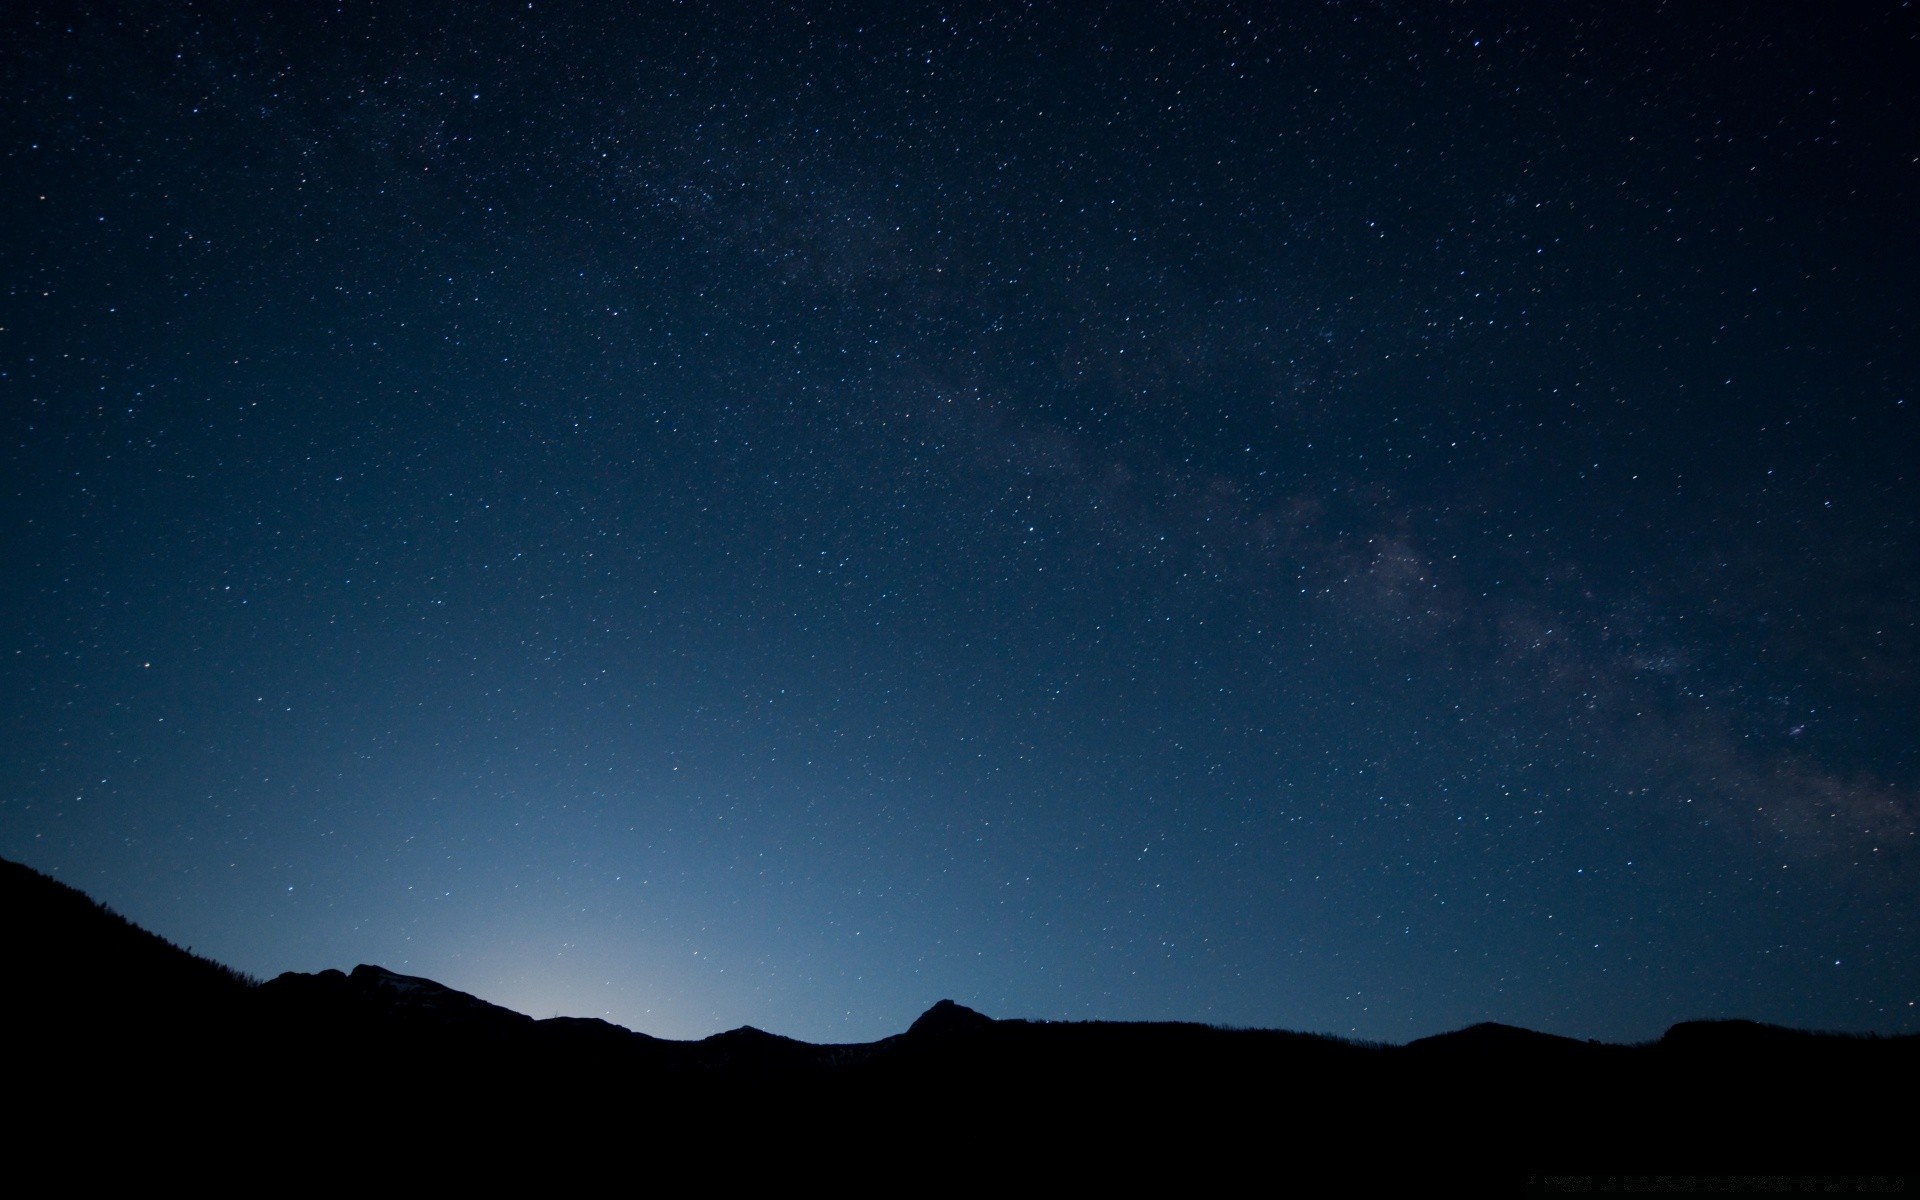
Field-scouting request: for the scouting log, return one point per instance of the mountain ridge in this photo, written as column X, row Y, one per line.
column 96, row 1002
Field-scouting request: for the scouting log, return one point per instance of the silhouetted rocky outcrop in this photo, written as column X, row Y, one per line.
column 116, row 1032
column 946, row 1020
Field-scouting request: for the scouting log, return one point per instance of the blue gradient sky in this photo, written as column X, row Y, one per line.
column 1365, row 519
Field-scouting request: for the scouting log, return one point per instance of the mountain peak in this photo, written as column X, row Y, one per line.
column 747, row 1035
column 374, row 988
column 1490, row 1037
column 947, row 1019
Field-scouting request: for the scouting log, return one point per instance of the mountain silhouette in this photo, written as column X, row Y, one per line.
column 948, row 1020
column 118, row 1037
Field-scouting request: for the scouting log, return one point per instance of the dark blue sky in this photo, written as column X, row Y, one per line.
column 1363, row 518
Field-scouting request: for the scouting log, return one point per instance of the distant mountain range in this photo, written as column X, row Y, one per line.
column 123, row 1047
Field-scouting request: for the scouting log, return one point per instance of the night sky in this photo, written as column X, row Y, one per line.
column 1361, row 518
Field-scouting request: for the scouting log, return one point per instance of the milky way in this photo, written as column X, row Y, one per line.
column 1361, row 520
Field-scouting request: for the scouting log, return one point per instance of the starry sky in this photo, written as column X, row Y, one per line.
column 1362, row 517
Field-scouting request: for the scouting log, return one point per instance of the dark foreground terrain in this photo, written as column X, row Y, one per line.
column 128, row 1056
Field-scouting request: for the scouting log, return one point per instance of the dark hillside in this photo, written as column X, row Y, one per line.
column 72, row 960
column 161, row 1048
